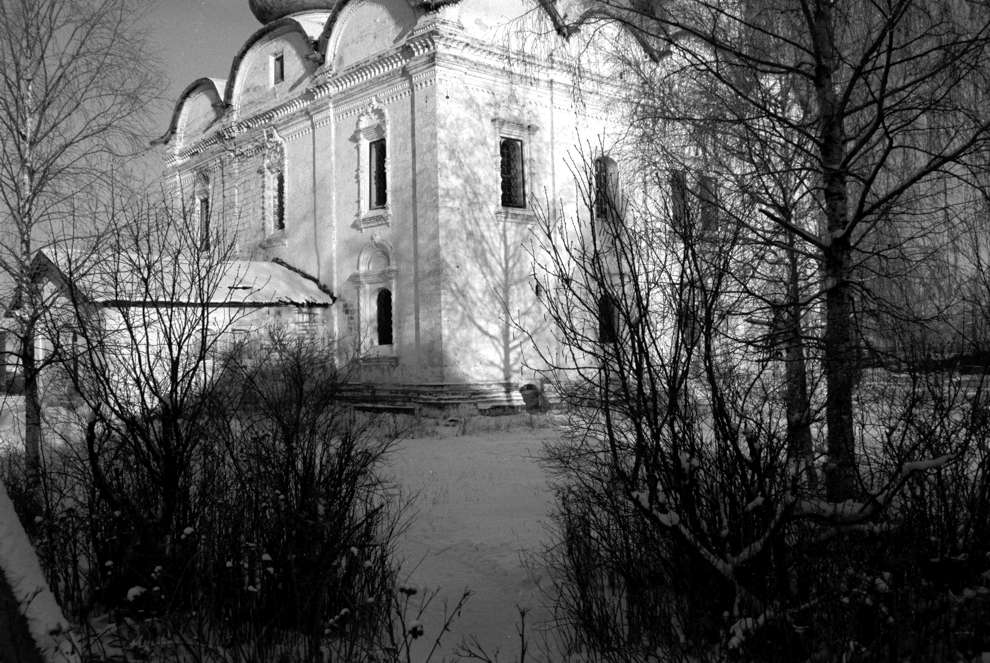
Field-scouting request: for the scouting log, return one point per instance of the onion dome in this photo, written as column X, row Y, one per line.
column 267, row 11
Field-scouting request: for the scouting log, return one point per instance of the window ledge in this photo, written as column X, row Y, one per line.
column 372, row 219
column 515, row 215
column 276, row 238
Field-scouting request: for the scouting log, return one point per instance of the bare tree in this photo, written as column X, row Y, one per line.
column 871, row 108
column 690, row 525
column 74, row 88
column 136, row 325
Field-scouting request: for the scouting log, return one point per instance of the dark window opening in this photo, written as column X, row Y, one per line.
column 679, row 201
column 708, row 195
column 278, row 207
column 606, row 320
column 688, row 322
column 204, row 223
column 376, row 158
column 602, row 191
column 384, row 309
column 278, row 69
column 513, row 173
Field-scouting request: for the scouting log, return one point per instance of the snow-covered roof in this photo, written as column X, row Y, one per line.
column 259, row 282
column 126, row 280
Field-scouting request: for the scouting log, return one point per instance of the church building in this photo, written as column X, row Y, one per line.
column 399, row 153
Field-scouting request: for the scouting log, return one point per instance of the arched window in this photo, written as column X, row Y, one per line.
column 383, row 305
column 606, row 319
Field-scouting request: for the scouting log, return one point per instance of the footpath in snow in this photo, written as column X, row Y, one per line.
column 480, row 516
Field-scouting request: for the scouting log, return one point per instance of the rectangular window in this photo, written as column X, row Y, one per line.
column 376, row 169
column 601, row 191
column 278, row 68
column 278, row 204
column 606, row 319
column 708, row 195
column 204, row 223
column 513, row 173
column 689, row 318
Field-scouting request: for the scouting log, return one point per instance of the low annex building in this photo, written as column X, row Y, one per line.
column 400, row 152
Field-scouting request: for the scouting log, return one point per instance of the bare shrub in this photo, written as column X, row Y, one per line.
column 692, row 522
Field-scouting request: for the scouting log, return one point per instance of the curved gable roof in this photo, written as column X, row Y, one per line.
column 310, row 25
column 315, row 26
column 324, row 39
column 213, row 88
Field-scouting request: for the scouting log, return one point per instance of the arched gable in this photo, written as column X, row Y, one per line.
column 198, row 107
column 295, row 38
column 359, row 29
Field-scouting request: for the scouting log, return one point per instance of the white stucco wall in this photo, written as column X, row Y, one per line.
column 458, row 267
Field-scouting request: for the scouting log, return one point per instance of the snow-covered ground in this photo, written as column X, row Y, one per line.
column 481, row 515
column 478, row 521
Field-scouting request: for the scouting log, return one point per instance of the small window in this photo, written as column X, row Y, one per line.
column 278, row 68
column 606, row 319
column 679, row 201
column 383, row 307
column 376, row 161
column 513, row 173
column 278, row 202
column 204, row 223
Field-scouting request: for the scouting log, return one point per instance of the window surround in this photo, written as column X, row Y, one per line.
column 202, row 210
column 272, row 171
column 514, row 129
column 375, row 272
column 372, row 126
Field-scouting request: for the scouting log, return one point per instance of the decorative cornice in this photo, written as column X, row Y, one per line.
column 437, row 38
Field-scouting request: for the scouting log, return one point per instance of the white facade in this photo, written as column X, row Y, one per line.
column 287, row 152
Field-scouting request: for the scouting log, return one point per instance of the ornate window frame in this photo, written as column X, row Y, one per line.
column 272, row 169
column 526, row 132
column 375, row 272
column 201, row 200
column 372, row 126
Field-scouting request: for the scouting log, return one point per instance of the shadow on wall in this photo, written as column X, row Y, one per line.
column 494, row 311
